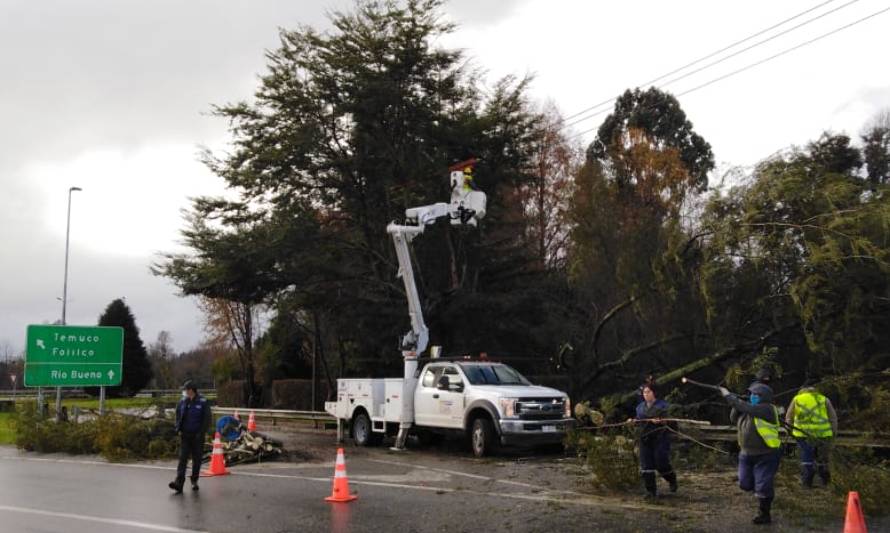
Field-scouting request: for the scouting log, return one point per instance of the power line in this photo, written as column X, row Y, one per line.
column 709, row 56
column 730, row 56
column 721, row 60
column 762, row 61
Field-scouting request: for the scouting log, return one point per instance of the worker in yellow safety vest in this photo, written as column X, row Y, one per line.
column 813, row 422
column 757, row 421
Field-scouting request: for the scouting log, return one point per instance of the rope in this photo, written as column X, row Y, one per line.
column 688, row 437
column 648, row 420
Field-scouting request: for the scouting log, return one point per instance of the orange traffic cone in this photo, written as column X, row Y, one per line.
column 217, row 460
column 251, row 422
column 855, row 521
column 237, row 416
column 340, row 492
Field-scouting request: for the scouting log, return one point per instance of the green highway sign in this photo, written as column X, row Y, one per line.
column 73, row 356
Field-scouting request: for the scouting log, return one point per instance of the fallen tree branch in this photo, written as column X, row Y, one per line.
column 706, row 361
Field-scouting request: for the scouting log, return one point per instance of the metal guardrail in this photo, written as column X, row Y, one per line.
column 848, row 438
column 78, row 393
column 277, row 414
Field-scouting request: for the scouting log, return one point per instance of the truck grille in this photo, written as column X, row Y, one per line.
column 540, row 408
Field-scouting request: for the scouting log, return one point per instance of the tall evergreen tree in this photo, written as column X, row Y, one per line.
column 136, row 366
column 347, row 130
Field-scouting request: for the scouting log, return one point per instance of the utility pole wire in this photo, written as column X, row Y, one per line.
column 703, row 58
column 721, row 60
column 758, row 63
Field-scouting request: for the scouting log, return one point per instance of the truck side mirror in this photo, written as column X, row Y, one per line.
column 443, row 383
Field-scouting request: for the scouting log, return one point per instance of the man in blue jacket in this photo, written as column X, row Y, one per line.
column 192, row 422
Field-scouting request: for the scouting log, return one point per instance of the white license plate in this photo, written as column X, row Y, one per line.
column 548, row 429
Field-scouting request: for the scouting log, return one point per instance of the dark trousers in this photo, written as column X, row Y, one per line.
column 757, row 472
column 814, row 455
column 191, row 446
column 655, row 455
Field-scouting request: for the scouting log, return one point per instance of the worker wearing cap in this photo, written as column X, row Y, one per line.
column 764, row 375
column 655, row 441
column 813, row 422
column 192, row 422
column 758, row 432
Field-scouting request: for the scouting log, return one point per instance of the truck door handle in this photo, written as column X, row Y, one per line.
column 435, row 395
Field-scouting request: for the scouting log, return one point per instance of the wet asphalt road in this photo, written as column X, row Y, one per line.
column 397, row 492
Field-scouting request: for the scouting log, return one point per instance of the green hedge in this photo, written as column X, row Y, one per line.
column 115, row 437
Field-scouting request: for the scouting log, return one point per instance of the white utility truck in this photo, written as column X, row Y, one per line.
column 488, row 401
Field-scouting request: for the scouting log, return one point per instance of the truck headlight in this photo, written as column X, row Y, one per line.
column 508, row 407
column 568, row 408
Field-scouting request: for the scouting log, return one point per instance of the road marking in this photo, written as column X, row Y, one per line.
column 476, row 476
column 87, row 462
column 328, row 480
column 579, row 499
column 112, row 521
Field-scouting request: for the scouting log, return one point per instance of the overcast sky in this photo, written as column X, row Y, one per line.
column 112, row 96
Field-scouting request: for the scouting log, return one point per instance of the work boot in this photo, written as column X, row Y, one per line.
column 194, row 483
column 764, row 516
column 176, row 485
column 672, row 480
column 649, row 483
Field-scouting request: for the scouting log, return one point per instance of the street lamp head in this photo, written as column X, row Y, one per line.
column 75, row 189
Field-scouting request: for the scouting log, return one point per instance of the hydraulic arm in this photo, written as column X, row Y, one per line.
column 466, row 207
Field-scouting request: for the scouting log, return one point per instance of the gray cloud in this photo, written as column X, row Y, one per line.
column 92, row 75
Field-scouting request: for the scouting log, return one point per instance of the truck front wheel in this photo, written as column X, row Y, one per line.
column 483, row 437
column 361, row 430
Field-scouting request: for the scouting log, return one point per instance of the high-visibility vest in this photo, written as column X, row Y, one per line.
column 768, row 431
column 811, row 416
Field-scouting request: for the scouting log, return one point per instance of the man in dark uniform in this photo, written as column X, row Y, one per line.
column 192, row 422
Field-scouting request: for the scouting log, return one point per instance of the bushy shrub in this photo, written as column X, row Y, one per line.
column 230, row 394
column 116, row 437
column 297, row 394
column 863, row 473
column 609, row 455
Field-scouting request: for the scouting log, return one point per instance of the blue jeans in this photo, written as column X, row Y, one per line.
column 814, row 455
column 757, row 472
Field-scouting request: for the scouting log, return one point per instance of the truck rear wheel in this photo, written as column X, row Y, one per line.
column 361, row 430
column 483, row 438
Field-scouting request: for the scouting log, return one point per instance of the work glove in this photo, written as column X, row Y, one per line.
column 724, row 392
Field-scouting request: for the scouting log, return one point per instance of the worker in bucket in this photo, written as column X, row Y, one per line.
column 813, row 422
column 655, row 440
column 758, row 432
column 192, row 422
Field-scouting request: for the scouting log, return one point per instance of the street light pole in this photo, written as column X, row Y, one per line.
column 67, row 239
column 65, row 292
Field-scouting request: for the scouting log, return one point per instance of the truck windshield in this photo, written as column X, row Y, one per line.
column 493, row 374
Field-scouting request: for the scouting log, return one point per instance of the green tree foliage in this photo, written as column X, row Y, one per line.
column 876, row 149
column 624, row 257
column 628, row 249
column 658, row 118
column 348, row 129
column 805, row 244
column 136, row 366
